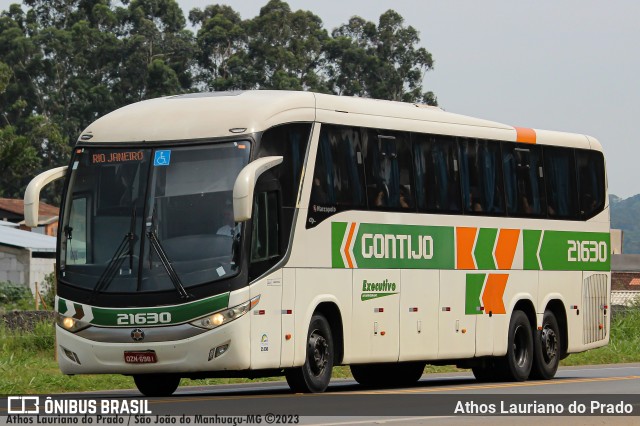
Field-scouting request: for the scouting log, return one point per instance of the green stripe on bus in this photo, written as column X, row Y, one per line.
column 378, row 246
column 484, row 248
column 177, row 314
column 472, row 294
column 62, row 306
column 338, row 229
column 530, row 241
column 567, row 251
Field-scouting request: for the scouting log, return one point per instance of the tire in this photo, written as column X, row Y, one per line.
column 547, row 348
column 315, row 374
column 516, row 365
column 399, row 374
column 366, row 375
column 408, row 373
column 157, row 384
column 486, row 373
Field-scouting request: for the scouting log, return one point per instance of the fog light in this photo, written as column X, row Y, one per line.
column 71, row 355
column 220, row 350
column 216, row 352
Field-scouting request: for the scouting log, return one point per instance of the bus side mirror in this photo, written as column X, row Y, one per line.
column 246, row 183
column 32, row 194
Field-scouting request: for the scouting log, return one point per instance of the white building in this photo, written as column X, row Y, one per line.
column 25, row 257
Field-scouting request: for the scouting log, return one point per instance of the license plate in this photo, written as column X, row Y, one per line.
column 140, row 357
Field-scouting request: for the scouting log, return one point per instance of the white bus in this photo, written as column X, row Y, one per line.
column 260, row 233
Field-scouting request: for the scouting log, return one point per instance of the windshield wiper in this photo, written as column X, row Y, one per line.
column 171, row 272
column 116, row 261
column 114, row 264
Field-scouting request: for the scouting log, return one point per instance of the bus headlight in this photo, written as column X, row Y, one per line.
column 69, row 323
column 222, row 317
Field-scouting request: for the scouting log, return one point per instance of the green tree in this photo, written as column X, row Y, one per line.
column 381, row 62
column 221, row 44
column 157, row 51
column 285, row 49
column 5, row 76
column 18, row 162
column 278, row 49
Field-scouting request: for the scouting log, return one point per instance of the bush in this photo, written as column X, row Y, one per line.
column 15, row 297
column 49, row 291
column 41, row 339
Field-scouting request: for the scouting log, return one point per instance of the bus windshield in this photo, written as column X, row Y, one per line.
column 149, row 220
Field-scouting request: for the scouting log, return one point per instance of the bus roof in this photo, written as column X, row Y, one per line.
column 216, row 114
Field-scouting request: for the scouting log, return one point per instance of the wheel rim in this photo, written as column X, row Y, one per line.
column 318, row 353
column 520, row 347
column 549, row 343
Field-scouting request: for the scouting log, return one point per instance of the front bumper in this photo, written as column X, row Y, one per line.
column 177, row 356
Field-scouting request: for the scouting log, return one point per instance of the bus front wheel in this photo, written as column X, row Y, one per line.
column 156, row 384
column 547, row 348
column 315, row 374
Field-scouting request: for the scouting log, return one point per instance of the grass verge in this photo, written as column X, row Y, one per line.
column 27, row 361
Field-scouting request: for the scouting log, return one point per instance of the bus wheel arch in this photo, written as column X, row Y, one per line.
column 314, row 374
column 332, row 313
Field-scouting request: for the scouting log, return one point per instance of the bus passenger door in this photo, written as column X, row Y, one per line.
column 375, row 325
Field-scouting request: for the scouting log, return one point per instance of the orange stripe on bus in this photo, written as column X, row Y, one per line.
column 525, row 135
column 465, row 237
column 348, row 244
column 506, row 247
column 493, row 293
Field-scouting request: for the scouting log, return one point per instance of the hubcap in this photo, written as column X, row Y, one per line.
column 318, row 353
column 549, row 343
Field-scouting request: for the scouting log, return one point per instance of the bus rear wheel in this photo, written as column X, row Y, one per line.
column 156, row 384
column 547, row 348
column 315, row 374
column 516, row 365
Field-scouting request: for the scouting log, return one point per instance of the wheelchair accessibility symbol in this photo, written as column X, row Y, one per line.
column 162, row 158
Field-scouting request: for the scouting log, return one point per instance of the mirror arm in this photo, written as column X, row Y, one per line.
column 245, row 184
column 32, row 193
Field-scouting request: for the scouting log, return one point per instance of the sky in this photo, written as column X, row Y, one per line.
column 568, row 65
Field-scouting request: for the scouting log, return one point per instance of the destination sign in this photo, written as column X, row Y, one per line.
column 117, row 157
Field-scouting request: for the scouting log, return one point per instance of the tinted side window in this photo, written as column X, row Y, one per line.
column 338, row 178
column 560, row 178
column 591, row 182
column 481, row 176
column 435, row 160
column 388, row 170
column 523, row 183
column 265, row 238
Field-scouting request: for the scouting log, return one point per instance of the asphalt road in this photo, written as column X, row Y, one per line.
column 437, row 399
